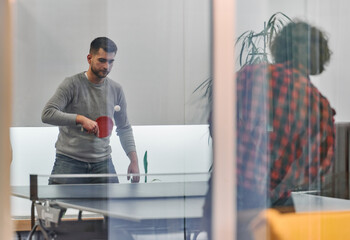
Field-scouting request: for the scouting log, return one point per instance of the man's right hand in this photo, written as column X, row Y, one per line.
column 89, row 125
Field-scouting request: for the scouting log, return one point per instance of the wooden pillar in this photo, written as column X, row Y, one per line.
column 5, row 118
column 224, row 185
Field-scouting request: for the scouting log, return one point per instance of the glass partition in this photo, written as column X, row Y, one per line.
column 291, row 110
column 163, row 56
column 292, row 127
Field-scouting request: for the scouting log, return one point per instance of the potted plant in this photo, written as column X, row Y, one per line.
column 252, row 47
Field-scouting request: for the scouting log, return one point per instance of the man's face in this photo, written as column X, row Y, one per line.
column 101, row 63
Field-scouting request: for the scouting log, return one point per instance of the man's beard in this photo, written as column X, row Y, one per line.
column 99, row 74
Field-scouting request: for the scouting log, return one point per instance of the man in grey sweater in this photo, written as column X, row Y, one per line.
column 76, row 104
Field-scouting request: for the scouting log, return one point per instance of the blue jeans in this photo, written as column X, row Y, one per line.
column 67, row 165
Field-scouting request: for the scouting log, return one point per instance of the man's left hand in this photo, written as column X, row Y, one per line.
column 133, row 168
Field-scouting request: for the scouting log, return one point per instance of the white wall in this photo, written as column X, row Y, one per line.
column 170, row 149
column 164, row 54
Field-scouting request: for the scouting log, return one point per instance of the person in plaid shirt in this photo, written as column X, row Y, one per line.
column 285, row 126
column 285, row 134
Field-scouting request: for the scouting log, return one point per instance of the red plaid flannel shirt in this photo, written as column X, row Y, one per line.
column 285, row 130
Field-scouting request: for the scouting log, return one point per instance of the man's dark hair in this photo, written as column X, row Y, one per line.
column 103, row 42
column 301, row 44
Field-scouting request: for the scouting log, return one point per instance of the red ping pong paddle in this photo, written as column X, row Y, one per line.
column 105, row 126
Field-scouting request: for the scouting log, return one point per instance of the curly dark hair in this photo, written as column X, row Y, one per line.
column 301, row 44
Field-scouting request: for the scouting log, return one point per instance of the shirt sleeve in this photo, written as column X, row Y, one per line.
column 124, row 129
column 53, row 112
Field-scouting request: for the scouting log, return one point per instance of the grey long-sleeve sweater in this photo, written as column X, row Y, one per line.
column 77, row 95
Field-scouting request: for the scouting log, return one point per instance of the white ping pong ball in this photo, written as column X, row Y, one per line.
column 117, row 108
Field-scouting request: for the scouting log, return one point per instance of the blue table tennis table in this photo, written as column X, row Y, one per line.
column 127, row 209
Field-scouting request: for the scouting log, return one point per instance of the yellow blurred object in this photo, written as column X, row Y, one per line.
column 271, row 224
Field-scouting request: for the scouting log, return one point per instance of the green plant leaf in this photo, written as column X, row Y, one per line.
column 241, row 54
column 145, row 165
column 145, row 162
column 241, row 36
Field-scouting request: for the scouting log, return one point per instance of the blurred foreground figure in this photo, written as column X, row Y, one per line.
column 285, row 126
